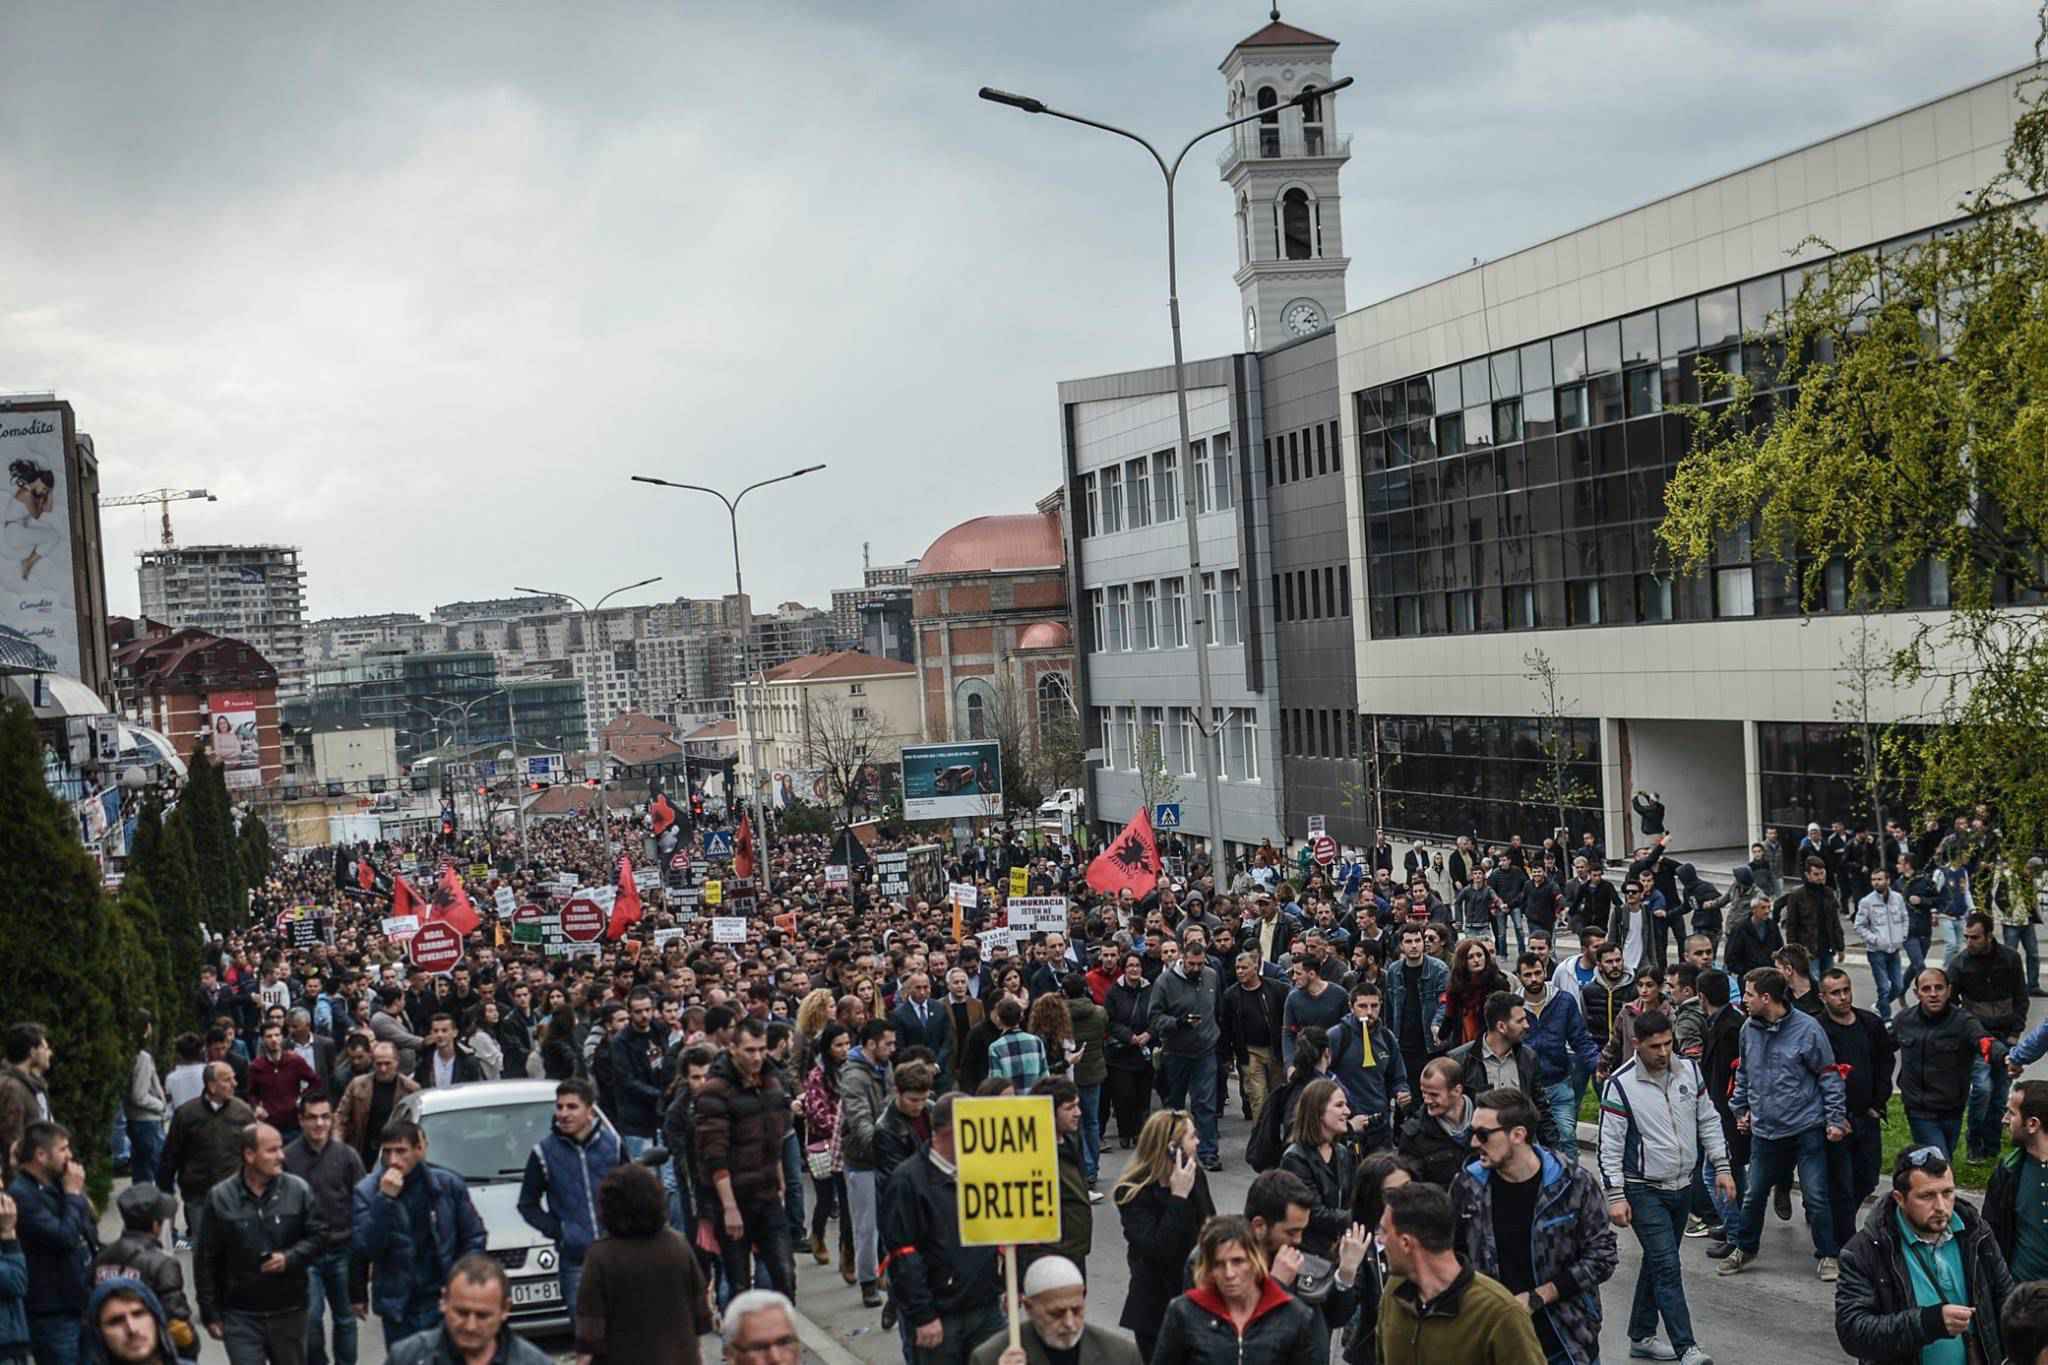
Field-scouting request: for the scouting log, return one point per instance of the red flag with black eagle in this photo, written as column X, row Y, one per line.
column 366, row 873
column 1130, row 862
column 743, row 849
column 662, row 814
column 406, row 901
column 625, row 905
column 451, row 904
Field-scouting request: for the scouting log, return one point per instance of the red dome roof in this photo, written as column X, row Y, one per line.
column 995, row 545
column 1045, row 635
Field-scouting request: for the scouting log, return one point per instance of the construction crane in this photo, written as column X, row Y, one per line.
column 163, row 498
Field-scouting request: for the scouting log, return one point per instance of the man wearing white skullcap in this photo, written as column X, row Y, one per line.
column 1054, row 1332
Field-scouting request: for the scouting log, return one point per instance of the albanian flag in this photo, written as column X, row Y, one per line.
column 451, row 904
column 406, row 901
column 625, row 905
column 1130, row 863
column 662, row 814
column 743, row 850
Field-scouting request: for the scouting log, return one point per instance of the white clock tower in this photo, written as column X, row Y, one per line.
column 1282, row 171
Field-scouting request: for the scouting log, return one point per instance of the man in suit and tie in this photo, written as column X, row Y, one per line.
column 316, row 1048
column 920, row 1020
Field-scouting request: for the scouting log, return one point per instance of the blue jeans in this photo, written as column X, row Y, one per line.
column 1191, row 1085
column 1091, row 1131
column 1884, row 972
column 1990, row 1082
column 634, row 1146
column 1954, row 925
column 1658, row 1219
column 2022, row 936
column 792, row 1184
column 1500, row 933
column 1772, row 1161
column 56, row 1338
column 117, row 1141
column 327, row 1287
column 1916, row 962
column 572, row 1276
column 1557, row 1097
column 145, row 1146
column 1944, row 1133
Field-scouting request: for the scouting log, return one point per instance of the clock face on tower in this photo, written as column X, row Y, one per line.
column 1302, row 317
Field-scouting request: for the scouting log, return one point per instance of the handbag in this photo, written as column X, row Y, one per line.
column 818, row 1156
column 1313, row 1281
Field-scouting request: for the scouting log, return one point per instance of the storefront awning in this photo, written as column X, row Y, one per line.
column 54, row 696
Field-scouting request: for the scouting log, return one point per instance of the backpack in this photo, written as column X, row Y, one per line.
column 1265, row 1147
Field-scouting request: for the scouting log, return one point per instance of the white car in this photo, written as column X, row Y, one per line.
column 484, row 1132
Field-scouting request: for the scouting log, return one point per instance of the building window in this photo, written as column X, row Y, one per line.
column 1296, row 233
column 1212, row 608
column 1091, row 511
column 1184, row 743
column 1344, row 590
column 1242, row 743
column 1312, row 122
column 1154, row 721
column 1322, row 450
column 1477, row 775
column 1112, row 501
column 1225, row 469
column 856, row 689
column 1120, row 617
column 1174, row 618
column 1137, row 493
column 1145, row 617
column 1127, row 736
column 1292, row 613
column 1336, row 450
column 1582, row 603
column 1269, row 121
column 1204, row 476
column 1165, row 487
column 1098, row 620
column 1103, row 728
column 1055, row 694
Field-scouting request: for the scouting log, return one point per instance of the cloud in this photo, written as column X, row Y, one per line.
column 417, row 287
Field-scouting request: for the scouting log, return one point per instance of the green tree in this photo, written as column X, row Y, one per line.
column 57, row 941
column 223, row 891
column 255, row 850
column 1908, row 443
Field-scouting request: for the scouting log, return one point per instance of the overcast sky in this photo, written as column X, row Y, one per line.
column 417, row 287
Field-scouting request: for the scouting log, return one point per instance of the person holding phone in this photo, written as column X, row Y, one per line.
column 1163, row 1199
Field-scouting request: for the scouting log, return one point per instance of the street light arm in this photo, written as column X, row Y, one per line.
column 1297, row 102
column 1112, row 128
column 538, row 592
column 779, row 478
column 616, row 591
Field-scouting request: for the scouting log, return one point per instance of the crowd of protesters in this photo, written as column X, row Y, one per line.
column 1414, row 1094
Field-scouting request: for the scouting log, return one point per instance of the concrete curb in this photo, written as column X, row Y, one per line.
column 822, row 1343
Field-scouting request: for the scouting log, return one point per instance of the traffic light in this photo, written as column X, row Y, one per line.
column 538, row 786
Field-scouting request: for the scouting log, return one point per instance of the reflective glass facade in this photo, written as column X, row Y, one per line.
column 1451, row 775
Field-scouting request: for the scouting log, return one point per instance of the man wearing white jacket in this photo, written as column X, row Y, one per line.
column 1882, row 920
column 1656, row 1119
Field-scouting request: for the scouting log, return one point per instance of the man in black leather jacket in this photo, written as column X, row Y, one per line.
column 1882, row 1311
column 262, row 1229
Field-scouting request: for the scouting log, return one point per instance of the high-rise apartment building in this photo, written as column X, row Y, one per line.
column 253, row 593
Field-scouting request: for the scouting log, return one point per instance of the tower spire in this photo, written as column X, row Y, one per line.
column 1276, row 14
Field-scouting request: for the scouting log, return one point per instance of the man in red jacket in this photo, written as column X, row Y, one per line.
column 276, row 1080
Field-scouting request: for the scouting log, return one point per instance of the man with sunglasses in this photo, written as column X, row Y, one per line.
column 1923, row 1279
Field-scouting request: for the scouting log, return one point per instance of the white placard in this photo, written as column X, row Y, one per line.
column 966, row 895
column 401, row 927
column 837, row 875
column 664, row 937
column 1317, row 824
column 991, row 939
column 646, row 880
column 507, row 902
column 1038, row 914
column 728, row 929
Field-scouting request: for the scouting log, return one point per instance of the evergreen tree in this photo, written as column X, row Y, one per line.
column 58, row 942
column 174, row 887
column 255, row 848
column 222, row 888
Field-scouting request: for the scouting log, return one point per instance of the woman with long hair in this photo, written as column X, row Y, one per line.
column 1319, row 1153
column 1014, row 987
column 1129, row 1051
column 1237, row 1312
column 560, row 1056
column 812, row 1014
column 1378, row 1173
column 1271, row 1129
column 1048, row 1018
column 1474, row 976
column 642, row 1299
column 821, row 1120
column 863, row 989
column 483, row 1041
column 1163, row 1199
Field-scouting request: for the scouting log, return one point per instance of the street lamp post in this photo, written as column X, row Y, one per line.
column 732, row 512
column 462, row 734
column 1206, row 722
column 589, row 636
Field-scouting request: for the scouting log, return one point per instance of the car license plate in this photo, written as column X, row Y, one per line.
column 527, row 1293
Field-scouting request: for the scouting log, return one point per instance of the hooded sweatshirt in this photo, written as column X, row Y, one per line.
column 94, row 1349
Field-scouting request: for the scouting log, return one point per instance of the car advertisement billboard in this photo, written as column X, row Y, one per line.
column 231, row 730
column 952, row 781
column 37, row 593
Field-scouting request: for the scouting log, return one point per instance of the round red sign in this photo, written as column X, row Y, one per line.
column 679, row 861
column 582, row 920
column 525, row 914
column 435, row 948
column 1324, row 848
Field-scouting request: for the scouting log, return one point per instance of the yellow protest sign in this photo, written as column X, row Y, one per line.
column 714, row 893
column 1020, row 881
column 1009, row 1179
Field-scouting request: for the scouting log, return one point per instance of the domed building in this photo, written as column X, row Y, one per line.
column 994, row 652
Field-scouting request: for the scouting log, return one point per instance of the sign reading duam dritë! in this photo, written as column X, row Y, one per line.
column 1009, row 1179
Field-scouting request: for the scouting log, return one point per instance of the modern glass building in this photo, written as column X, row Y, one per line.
column 1511, row 431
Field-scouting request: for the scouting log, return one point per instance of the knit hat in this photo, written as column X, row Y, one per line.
column 1051, row 1272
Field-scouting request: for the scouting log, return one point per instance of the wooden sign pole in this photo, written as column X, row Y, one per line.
column 1010, row 1286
